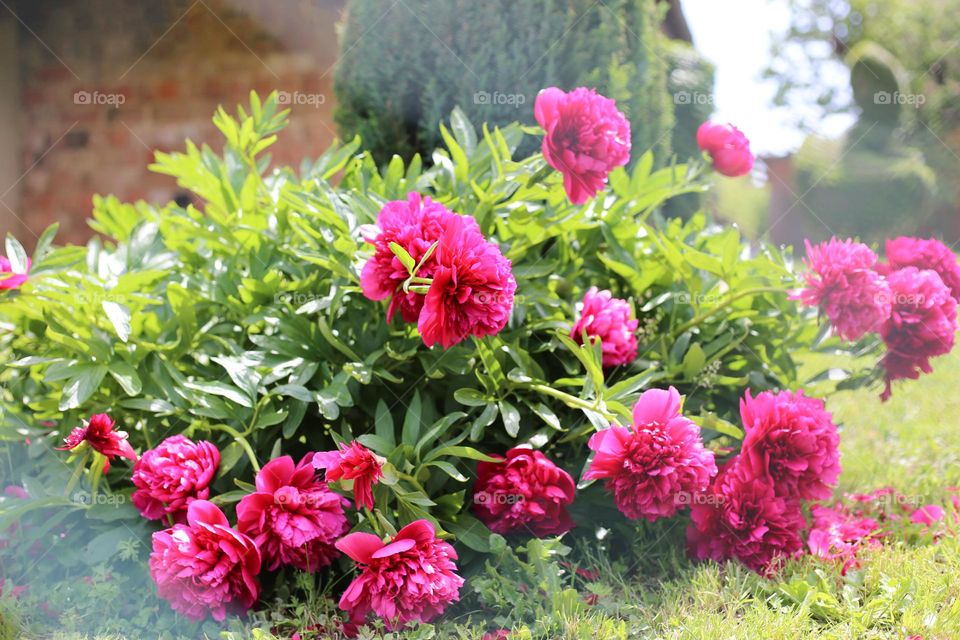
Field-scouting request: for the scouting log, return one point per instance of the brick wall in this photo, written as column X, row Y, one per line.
column 104, row 83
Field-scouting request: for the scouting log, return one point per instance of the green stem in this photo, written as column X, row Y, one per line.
column 571, row 401
column 374, row 522
column 411, row 480
column 239, row 437
column 723, row 305
column 77, row 472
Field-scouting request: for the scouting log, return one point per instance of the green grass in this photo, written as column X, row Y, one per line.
column 910, row 442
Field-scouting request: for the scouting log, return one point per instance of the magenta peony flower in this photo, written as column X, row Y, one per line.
column 98, row 433
column 172, row 475
column 415, row 224
column 610, row 319
column 293, row 517
column 524, row 492
column 792, row 439
column 472, row 289
column 728, row 148
column 586, row 138
column 410, row 579
column 10, row 280
column 742, row 517
column 925, row 254
column 843, row 283
column 205, row 566
column 921, row 326
column 656, row 466
column 352, row 462
column 928, row 515
column 838, row 534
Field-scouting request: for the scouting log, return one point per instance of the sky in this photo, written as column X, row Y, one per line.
column 735, row 35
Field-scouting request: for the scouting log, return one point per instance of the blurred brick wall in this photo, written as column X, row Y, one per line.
column 104, row 83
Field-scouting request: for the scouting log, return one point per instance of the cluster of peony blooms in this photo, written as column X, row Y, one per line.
column 910, row 300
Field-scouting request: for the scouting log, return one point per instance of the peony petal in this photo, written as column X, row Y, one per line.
column 205, row 512
column 359, row 546
column 398, row 546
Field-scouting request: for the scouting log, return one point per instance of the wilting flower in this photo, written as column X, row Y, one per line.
column 586, row 138
column 410, row 579
column 10, row 280
column 742, row 517
column 922, row 324
column 657, row 465
column 415, row 224
column 843, row 282
column 352, row 462
column 792, row 439
column 523, row 492
column 172, row 475
column 610, row 319
column 205, row 566
column 838, row 534
column 925, row 254
column 98, row 433
column 293, row 517
column 472, row 289
column 728, row 148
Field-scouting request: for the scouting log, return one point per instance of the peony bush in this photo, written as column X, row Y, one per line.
column 372, row 374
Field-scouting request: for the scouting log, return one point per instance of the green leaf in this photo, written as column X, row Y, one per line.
column 81, row 387
column 458, row 451
column 221, row 389
column 511, row 418
column 471, row 532
column 405, row 258
column 127, row 377
column 383, row 424
column 470, row 397
column 16, row 255
column 119, row 316
column 412, row 421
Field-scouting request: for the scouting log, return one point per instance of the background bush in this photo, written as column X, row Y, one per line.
column 429, row 56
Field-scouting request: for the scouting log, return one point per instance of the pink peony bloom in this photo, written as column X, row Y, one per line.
column 472, row 289
column 843, row 283
column 410, row 579
column 415, row 224
column 925, row 254
column 656, row 466
column 293, row 517
column 205, row 566
column 728, row 148
column 792, row 439
column 524, row 492
column 610, row 319
column 10, row 280
column 352, row 462
column 928, row 515
column 838, row 534
column 172, row 475
column 586, row 138
column 922, row 325
column 742, row 517
column 98, row 433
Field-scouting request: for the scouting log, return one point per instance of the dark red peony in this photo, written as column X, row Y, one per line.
column 352, row 462
column 98, row 433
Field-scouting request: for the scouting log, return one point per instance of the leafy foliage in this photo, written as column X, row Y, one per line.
column 243, row 323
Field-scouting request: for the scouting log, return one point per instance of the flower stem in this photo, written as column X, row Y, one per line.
column 243, row 443
column 723, row 305
column 572, row 401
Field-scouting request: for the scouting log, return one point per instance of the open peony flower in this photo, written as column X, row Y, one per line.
column 586, row 138
column 610, row 319
column 838, row 534
column 356, row 463
column 10, row 280
column 415, row 224
column 523, row 493
column 742, row 517
column 658, row 464
column 792, row 439
column 293, row 517
column 172, row 475
column 205, row 567
column 727, row 147
column 98, row 433
column 410, row 579
column 925, row 254
column 922, row 325
column 472, row 289
column 843, row 282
